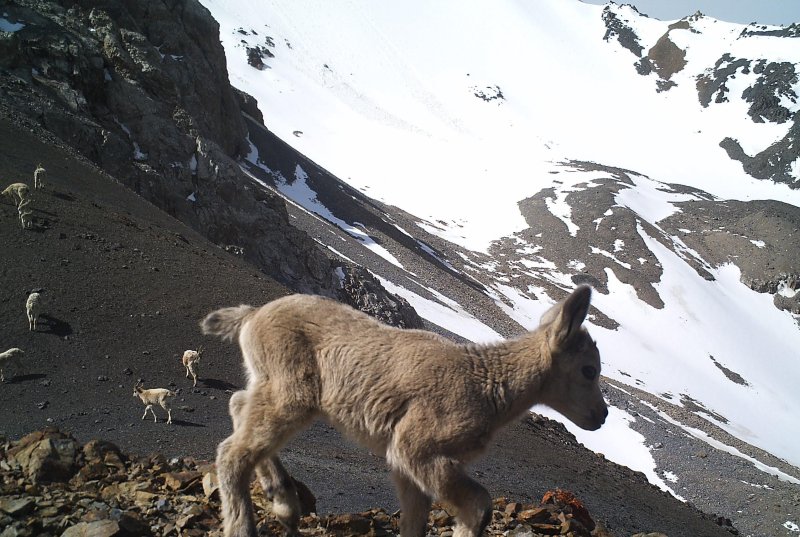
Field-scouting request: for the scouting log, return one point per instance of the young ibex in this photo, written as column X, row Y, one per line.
column 428, row 404
column 33, row 307
column 154, row 396
column 16, row 192
column 25, row 214
column 39, row 175
column 6, row 358
column 190, row 360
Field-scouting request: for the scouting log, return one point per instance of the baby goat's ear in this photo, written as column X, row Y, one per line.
column 569, row 315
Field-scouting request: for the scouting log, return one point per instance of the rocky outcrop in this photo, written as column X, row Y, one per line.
column 141, row 89
column 773, row 163
column 713, row 84
column 619, row 29
column 360, row 289
column 793, row 30
column 666, row 57
column 773, row 86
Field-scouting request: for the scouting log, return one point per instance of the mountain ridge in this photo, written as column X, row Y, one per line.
column 448, row 283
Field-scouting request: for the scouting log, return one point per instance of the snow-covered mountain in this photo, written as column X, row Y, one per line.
column 495, row 155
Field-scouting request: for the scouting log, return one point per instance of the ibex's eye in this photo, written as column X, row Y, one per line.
column 589, row 372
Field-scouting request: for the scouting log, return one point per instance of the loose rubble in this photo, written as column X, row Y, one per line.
column 51, row 485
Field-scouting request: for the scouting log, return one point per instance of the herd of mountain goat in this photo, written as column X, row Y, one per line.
column 21, row 195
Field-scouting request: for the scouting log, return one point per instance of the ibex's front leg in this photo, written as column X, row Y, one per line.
column 414, row 504
column 441, row 476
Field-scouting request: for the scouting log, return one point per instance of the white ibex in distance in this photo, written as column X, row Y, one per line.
column 428, row 404
column 190, row 359
column 33, row 308
column 6, row 358
column 39, row 175
column 154, row 396
column 25, row 214
column 16, row 192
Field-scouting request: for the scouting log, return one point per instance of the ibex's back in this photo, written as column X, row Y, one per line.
column 426, row 403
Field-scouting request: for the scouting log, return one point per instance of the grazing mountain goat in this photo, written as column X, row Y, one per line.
column 428, row 404
column 190, row 360
column 39, row 175
column 154, row 396
column 33, row 307
column 25, row 214
column 16, row 192
column 6, row 358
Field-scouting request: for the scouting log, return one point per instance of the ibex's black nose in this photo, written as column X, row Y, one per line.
column 599, row 417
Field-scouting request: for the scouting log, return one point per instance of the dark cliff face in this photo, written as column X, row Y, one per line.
column 141, row 88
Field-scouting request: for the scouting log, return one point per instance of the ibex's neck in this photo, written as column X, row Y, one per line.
column 515, row 372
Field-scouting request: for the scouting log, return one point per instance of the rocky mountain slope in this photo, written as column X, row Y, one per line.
column 107, row 97
column 124, row 286
column 118, row 83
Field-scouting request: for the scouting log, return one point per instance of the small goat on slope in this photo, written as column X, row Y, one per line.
column 39, row 175
column 16, row 192
column 25, row 214
column 33, row 308
column 190, row 359
column 428, row 404
column 6, row 358
column 154, row 396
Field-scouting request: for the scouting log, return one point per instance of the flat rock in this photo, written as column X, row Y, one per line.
column 100, row 528
column 16, row 507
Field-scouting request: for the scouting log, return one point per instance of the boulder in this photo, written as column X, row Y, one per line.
column 360, row 289
column 46, row 456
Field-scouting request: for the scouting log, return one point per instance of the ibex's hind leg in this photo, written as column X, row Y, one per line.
column 414, row 504
column 261, row 427
column 273, row 477
column 169, row 411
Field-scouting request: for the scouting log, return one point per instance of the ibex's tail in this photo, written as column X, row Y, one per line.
column 226, row 322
